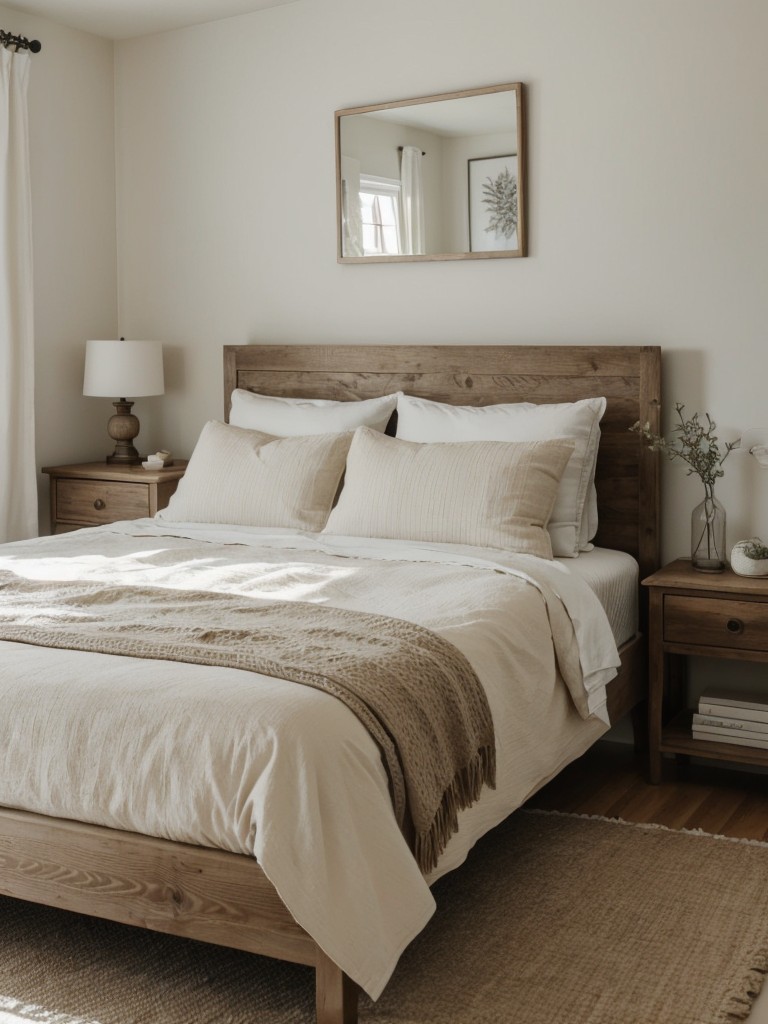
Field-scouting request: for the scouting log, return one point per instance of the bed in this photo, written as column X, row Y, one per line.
column 224, row 897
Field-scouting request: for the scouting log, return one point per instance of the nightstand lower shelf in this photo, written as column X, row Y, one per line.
column 676, row 738
column 719, row 616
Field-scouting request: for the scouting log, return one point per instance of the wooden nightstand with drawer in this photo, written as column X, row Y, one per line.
column 95, row 493
column 718, row 615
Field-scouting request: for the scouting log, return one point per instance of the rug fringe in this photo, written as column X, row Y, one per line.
column 650, row 826
column 737, row 1007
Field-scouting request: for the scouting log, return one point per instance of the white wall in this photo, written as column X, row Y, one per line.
column 71, row 122
column 648, row 153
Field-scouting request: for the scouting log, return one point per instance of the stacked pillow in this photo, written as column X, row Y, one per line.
column 248, row 478
column 515, row 476
column 290, row 417
column 482, row 493
column 574, row 517
column 278, row 463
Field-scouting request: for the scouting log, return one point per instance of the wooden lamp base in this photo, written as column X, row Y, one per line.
column 123, row 427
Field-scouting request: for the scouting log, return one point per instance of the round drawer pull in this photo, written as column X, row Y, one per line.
column 99, row 504
column 734, row 626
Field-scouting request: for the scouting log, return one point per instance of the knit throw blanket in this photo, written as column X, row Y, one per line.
column 414, row 691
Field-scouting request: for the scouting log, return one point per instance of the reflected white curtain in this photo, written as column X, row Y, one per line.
column 412, row 234
column 18, row 475
column 351, row 218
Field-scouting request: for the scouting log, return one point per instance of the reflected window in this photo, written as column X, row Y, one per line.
column 380, row 205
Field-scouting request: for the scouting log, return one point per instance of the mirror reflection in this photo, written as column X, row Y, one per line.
column 438, row 177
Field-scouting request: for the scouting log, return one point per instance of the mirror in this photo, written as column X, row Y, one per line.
column 434, row 178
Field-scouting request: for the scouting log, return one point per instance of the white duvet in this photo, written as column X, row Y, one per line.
column 283, row 772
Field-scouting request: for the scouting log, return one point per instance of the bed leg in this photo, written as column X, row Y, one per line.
column 335, row 993
column 639, row 718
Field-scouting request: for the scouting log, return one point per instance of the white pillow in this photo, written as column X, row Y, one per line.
column 248, row 478
column 481, row 493
column 574, row 517
column 289, row 417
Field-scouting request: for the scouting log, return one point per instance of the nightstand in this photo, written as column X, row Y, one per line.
column 94, row 493
column 721, row 615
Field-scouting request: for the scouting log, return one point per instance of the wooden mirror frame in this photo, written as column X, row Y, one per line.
column 519, row 157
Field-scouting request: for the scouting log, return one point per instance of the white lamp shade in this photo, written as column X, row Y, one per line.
column 123, row 369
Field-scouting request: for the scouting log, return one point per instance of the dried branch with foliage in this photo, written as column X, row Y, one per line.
column 693, row 443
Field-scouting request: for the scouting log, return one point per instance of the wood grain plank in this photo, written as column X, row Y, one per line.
column 609, row 780
column 336, row 996
column 629, row 688
column 170, row 887
column 718, row 809
column 610, row 798
column 750, row 818
column 679, row 805
column 465, row 387
column 567, row 361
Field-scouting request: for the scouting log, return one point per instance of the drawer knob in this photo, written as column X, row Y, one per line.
column 734, row 626
column 100, row 504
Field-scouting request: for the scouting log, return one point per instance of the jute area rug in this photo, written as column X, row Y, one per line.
column 555, row 919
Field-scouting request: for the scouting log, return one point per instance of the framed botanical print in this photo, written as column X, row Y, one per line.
column 494, row 204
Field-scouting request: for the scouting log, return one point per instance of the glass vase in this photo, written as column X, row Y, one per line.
column 708, row 535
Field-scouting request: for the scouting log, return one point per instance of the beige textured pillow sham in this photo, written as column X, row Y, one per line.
column 482, row 493
column 573, row 522
column 247, row 478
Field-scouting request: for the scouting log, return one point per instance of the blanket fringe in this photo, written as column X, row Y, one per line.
column 463, row 791
column 739, row 1007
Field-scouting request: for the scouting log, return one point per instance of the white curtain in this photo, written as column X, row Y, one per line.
column 351, row 220
column 412, row 202
column 18, row 475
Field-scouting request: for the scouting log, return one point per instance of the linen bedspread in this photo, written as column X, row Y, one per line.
column 416, row 694
column 256, row 765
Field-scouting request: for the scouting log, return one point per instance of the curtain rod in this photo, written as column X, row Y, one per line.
column 401, row 148
column 20, row 42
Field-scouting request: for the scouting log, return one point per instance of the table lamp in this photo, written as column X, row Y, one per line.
column 755, row 442
column 123, row 368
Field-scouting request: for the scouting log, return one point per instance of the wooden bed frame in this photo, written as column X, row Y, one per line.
column 225, row 898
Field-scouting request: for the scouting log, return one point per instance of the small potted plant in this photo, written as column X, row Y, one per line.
column 750, row 558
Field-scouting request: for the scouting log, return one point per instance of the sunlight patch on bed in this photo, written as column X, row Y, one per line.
column 73, row 567
column 291, row 583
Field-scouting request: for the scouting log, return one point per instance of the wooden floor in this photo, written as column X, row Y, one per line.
column 609, row 780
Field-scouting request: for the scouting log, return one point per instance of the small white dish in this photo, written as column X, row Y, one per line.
column 153, row 464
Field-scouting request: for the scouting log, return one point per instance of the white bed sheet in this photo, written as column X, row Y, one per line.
column 614, row 577
column 311, row 798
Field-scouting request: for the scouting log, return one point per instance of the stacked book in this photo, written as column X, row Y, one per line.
column 738, row 717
